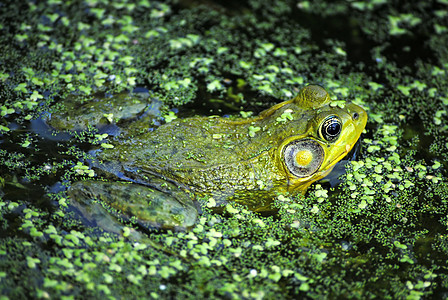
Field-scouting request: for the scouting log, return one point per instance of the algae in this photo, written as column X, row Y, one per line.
column 382, row 232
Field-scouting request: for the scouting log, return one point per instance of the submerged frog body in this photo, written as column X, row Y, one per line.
column 251, row 160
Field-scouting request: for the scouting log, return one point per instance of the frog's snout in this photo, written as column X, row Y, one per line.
column 359, row 115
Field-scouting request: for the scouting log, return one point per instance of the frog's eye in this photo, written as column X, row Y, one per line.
column 303, row 157
column 330, row 128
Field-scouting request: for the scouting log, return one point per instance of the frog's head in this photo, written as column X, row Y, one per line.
column 329, row 133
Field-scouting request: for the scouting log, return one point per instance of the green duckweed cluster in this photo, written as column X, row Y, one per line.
column 381, row 233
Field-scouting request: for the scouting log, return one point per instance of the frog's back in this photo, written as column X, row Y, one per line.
column 202, row 142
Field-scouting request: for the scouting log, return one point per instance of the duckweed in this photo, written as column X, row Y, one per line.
column 253, row 130
column 382, row 232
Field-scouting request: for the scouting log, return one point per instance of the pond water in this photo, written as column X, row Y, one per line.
column 377, row 229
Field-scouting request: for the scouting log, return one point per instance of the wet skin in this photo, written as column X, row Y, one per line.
column 281, row 151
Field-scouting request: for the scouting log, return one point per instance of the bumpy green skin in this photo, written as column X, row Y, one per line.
column 219, row 157
column 100, row 111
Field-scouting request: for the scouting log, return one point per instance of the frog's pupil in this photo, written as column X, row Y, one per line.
column 331, row 128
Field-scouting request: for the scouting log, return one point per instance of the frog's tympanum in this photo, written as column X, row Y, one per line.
column 282, row 150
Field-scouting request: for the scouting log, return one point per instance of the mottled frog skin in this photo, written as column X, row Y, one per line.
column 249, row 160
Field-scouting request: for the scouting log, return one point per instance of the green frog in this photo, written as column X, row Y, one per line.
column 153, row 176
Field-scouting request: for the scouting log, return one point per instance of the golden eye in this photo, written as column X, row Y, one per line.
column 330, row 128
column 303, row 157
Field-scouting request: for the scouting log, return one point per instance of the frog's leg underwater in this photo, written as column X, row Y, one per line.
column 133, row 202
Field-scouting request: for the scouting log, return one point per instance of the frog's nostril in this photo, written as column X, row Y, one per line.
column 355, row 116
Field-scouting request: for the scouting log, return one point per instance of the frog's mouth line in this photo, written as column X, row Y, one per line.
column 354, row 151
column 351, row 153
column 348, row 149
column 338, row 169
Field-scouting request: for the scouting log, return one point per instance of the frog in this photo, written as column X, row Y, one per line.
column 155, row 176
